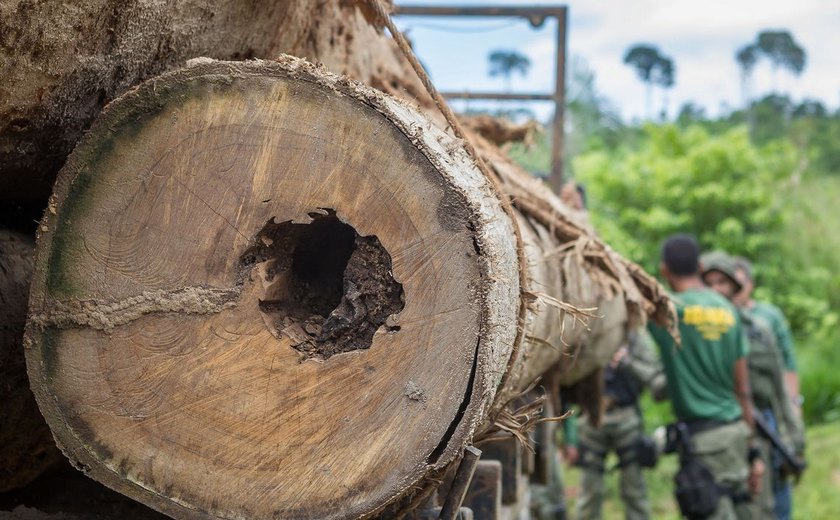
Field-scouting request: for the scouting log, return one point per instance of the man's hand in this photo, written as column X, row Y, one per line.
column 619, row 356
column 756, row 474
column 570, row 455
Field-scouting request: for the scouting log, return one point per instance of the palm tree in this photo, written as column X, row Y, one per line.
column 653, row 68
column 664, row 75
column 505, row 62
column 747, row 57
column 782, row 51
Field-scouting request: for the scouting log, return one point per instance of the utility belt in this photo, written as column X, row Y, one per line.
column 695, row 426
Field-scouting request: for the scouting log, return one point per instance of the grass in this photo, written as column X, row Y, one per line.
column 816, row 497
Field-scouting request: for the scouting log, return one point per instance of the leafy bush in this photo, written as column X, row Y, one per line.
column 721, row 188
column 812, row 298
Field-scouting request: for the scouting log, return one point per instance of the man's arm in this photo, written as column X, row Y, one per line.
column 792, row 385
column 788, row 424
column 742, row 390
column 646, row 367
column 784, row 338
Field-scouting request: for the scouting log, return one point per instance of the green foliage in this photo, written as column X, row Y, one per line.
column 535, row 158
column 719, row 188
column 769, row 194
column 810, row 292
column 651, row 65
column 782, row 50
column 821, row 136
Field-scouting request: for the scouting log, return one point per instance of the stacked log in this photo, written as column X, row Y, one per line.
column 263, row 290
column 26, row 444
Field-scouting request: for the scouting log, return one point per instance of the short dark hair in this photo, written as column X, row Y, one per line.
column 681, row 255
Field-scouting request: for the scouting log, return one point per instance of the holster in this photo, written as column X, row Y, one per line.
column 695, row 488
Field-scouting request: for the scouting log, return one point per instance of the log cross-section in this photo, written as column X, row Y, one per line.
column 213, row 249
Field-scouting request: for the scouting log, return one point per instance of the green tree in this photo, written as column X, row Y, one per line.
column 653, row 68
column 505, row 62
column 690, row 113
column 783, row 52
column 664, row 76
column 770, row 118
column 747, row 57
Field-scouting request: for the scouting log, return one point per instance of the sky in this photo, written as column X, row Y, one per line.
column 700, row 36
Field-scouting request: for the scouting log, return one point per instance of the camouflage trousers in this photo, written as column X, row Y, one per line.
column 619, row 433
column 724, row 451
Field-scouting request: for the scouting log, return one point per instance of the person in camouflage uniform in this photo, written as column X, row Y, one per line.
column 784, row 340
column 781, row 330
column 781, row 484
column 633, row 368
column 767, row 382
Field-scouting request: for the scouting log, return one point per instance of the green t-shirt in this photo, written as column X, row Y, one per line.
column 784, row 339
column 570, row 430
column 700, row 371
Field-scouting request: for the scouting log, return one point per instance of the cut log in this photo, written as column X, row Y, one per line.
column 268, row 292
column 26, row 444
column 264, row 291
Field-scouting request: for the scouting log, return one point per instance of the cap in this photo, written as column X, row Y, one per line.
column 722, row 262
column 745, row 265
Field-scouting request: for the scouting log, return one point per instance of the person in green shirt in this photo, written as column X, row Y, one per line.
column 779, row 324
column 707, row 378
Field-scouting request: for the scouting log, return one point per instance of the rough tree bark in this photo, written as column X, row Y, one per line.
column 61, row 62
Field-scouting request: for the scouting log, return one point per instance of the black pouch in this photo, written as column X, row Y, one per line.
column 696, row 491
column 646, row 453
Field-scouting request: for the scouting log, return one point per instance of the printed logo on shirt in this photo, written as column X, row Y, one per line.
column 711, row 322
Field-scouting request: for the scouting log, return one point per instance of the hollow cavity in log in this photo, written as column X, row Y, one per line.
column 324, row 286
